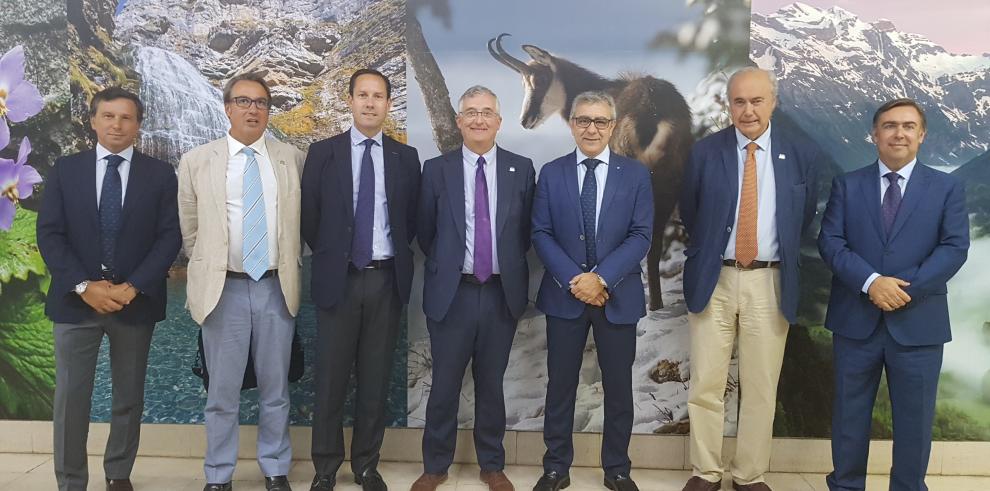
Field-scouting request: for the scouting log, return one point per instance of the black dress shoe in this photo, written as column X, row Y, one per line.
column 119, row 485
column 277, row 483
column 218, row 487
column 323, row 482
column 552, row 481
column 370, row 480
column 620, row 482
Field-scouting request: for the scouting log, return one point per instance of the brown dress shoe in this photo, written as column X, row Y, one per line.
column 696, row 483
column 428, row 482
column 496, row 481
column 119, row 485
column 756, row 486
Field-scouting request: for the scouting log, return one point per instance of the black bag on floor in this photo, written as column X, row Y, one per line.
column 296, row 364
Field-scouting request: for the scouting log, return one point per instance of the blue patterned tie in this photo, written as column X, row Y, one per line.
column 255, row 226
column 110, row 205
column 589, row 197
column 364, row 212
column 891, row 201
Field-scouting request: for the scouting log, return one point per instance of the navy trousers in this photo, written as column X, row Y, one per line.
column 912, row 380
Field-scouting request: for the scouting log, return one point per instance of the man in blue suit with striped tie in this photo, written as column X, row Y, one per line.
column 592, row 223
column 894, row 232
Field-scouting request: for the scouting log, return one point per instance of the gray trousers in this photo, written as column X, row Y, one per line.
column 248, row 309
column 76, row 349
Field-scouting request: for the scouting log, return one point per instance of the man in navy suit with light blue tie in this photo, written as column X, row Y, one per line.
column 894, row 232
column 474, row 227
column 592, row 223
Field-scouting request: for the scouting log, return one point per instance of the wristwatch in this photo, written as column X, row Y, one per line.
column 81, row 287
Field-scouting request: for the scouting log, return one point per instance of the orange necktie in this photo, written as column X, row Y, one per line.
column 746, row 246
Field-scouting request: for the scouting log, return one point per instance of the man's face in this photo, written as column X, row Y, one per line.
column 751, row 102
column 592, row 139
column 369, row 104
column 898, row 135
column 116, row 124
column 479, row 122
column 247, row 124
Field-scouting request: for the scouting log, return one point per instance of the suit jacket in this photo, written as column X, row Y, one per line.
column 203, row 216
column 441, row 229
column 328, row 212
column 708, row 209
column 69, row 236
column 927, row 244
column 625, row 226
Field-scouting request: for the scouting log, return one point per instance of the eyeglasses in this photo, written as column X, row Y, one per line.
column 600, row 123
column 471, row 114
column 245, row 102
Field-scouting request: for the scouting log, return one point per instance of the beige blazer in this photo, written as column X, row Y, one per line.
column 203, row 219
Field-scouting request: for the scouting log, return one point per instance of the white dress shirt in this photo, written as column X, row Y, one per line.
column 236, row 160
column 902, row 181
column 381, row 235
column 601, row 175
column 470, row 163
column 124, row 169
column 768, row 249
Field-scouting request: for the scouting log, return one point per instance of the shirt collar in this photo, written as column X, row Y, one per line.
column 905, row 171
column 763, row 141
column 473, row 157
column 102, row 152
column 358, row 138
column 235, row 147
column 603, row 157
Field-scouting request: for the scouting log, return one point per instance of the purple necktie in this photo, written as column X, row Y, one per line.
column 364, row 212
column 482, row 225
column 891, row 201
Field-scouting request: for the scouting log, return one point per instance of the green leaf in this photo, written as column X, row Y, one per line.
column 27, row 358
column 19, row 253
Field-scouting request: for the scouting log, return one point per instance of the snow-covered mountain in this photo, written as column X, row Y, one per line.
column 834, row 69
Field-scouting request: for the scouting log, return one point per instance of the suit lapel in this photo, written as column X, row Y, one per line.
column 782, row 179
column 137, row 180
column 345, row 175
column 505, row 189
column 613, row 181
column 453, row 176
column 730, row 164
column 392, row 175
column 916, row 189
column 870, row 190
column 571, row 185
column 87, row 169
column 281, row 181
column 218, row 179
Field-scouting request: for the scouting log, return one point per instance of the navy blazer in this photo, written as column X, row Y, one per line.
column 69, row 236
column 441, row 226
column 625, row 226
column 327, row 220
column 708, row 204
column 927, row 244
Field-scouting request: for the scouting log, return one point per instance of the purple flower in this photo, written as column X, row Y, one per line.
column 17, row 182
column 19, row 99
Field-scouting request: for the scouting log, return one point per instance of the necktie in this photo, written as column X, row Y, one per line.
column 589, row 197
column 746, row 246
column 255, row 227
column 891, row 201
column 110, row 198
column 364, row 211
column 482, row 225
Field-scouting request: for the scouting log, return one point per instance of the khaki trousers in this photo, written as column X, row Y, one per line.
column 745, row 303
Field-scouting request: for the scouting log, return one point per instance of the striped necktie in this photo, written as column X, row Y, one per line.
column 255, row 227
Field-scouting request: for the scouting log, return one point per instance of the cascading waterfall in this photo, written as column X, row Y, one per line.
column 182, row 109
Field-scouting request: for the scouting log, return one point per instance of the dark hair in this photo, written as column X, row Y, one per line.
column 112, row 93
column 250, row 77
column 902, row 102
column 369, row 71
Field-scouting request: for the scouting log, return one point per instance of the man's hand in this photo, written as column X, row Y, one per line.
column 123, row 293
column 587, row 288
column 887, row 293
column 99, row 297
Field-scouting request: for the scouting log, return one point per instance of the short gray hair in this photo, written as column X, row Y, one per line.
column 594, row 97
column 476, row 90
column 754, row 69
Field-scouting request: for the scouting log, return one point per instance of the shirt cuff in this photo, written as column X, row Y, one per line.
column 869, row 281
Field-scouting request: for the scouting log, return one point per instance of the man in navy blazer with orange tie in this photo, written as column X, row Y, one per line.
column 592, row 223
column 893, row 234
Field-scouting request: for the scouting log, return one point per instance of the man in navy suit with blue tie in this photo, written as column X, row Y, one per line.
column 592, row 223
column 108, row 230
column 894, row 232
column 474, row 227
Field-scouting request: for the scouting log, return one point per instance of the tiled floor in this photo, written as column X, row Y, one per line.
column 30, row 472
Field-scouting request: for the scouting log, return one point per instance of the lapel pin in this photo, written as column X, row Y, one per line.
column 782, row 157
column 512, row 169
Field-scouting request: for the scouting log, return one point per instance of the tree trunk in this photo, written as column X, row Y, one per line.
column 434, row 88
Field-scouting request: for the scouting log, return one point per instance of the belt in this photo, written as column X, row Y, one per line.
column 732, row 263
column 375, row 264
column 244, row 276
column 472, row 279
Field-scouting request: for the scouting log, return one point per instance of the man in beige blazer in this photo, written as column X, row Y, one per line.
column 239, row 214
